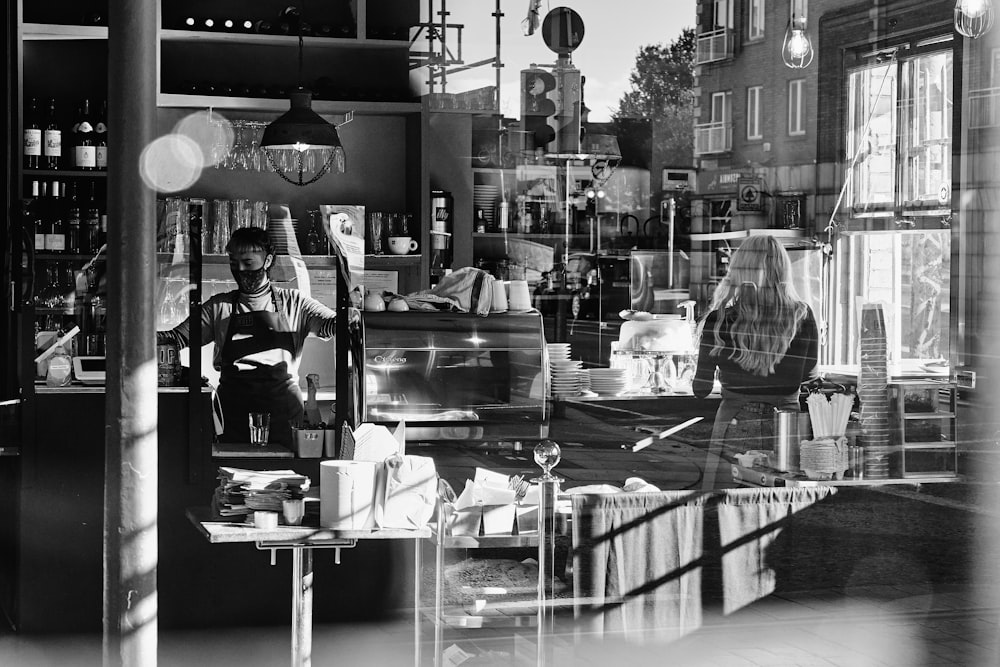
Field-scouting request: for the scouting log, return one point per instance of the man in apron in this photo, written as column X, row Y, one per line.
column 259, row 331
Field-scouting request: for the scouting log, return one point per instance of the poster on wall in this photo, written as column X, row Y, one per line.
column 345, row 228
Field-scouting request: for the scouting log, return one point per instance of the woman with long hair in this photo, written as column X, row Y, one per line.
column 764, row 341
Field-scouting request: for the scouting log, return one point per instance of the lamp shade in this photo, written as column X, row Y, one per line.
column 301, row 143
column 300, row 128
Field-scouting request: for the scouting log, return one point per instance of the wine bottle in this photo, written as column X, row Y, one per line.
column 52, row 136
column 37, row 220
column 32, row 150
column 73, row 221
column 55, row 234
column 101, row 138
column 85, row 151
column 91, row 242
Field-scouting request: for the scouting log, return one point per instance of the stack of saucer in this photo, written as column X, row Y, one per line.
column 607, row 381
column 566, row 378
column 558, row 351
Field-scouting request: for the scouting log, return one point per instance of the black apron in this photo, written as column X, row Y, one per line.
column 256, row 355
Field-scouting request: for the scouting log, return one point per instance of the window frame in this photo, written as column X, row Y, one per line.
column 754, row 119
column 756, row 19
column 796, row 112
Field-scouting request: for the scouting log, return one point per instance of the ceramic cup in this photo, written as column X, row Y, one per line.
column 499, row 304
column 519, row 299
column 401, row 245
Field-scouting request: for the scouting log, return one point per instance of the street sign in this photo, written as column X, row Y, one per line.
column 748, row 196
column 562, row 30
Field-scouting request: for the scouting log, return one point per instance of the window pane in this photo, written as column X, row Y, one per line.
column 753, row 112
column 926, row 145
column 871, row 138
column 756, row 19
column 795, row 107
column 909, row 274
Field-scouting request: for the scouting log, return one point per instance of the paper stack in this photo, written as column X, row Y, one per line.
column 242, row 491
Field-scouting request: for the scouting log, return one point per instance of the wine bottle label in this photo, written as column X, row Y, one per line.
column 84, row 126
column 55, row 242
column 101, row 157
column 86, row 156
column 53, row 143
column 33, row 142
column 39, row 242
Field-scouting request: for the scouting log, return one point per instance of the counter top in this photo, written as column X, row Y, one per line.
column 99, row 389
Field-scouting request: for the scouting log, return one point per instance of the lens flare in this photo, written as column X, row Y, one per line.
column 171, row 163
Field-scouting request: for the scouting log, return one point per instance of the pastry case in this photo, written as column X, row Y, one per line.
column 454, row 376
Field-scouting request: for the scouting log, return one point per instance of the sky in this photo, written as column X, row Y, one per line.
column 614, row 31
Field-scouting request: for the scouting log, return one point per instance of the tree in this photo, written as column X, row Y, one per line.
column 661, row 84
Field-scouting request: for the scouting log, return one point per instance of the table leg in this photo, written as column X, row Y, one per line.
column 302, row 594
column 417, row 567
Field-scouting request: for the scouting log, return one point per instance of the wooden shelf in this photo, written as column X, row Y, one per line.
column 327, row 107
column 66, row 173
column 58, row 31
column 291, row 41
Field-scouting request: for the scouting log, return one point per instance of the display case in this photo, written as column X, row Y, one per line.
column 454, row 376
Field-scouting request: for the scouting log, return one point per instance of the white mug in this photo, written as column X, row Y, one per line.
column 401, row 245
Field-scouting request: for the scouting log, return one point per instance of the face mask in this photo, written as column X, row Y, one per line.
column 250, row 281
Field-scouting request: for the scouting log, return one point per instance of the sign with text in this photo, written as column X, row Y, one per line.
column 748, row 194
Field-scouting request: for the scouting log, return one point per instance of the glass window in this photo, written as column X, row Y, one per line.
column 925, row 150
column 722, row 14
column 871, row 137
column 796, row 120
column 754, row 98
column 909, row 274
column 899, row 136
column 755, row 29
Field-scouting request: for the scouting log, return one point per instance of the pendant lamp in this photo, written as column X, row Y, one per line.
column 973, row 18
column 300, row 145
column 797, row 50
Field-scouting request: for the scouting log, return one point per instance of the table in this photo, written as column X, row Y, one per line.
column 300, row 541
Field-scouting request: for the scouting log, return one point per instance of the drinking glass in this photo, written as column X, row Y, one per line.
column 260, row 427
column 376, row 228
column 259, row 214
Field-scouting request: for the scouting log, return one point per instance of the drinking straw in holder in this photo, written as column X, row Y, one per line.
column 829, row 415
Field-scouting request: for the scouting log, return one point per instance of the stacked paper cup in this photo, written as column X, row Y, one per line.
column 873, row 391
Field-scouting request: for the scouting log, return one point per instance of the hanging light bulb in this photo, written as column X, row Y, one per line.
column 797, row 50
column 973, row 18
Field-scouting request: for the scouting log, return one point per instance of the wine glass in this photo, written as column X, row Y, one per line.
column 547, row 456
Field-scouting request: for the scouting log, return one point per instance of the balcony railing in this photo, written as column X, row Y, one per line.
column 984, row 108
column 714, row 45
column 713, row 138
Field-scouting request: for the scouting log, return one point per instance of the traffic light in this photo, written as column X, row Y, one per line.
column 539, row 97
column 550, row 109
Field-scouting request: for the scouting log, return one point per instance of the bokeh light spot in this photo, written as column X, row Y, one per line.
column 211, row 131
column 171, row 163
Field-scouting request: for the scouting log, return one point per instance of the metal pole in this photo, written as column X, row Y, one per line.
column 548, row 490
column 130, row 438
column 302, row 595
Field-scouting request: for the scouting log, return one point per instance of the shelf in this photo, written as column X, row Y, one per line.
column 58, row 31
column 76, row 257
column 68, row 173
column 291, row 41
column 458, row 617
column 488, row 541
column 391, row 260
column 929, row 415
column 930, row 445
column 327, row 107
column 530, row 236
